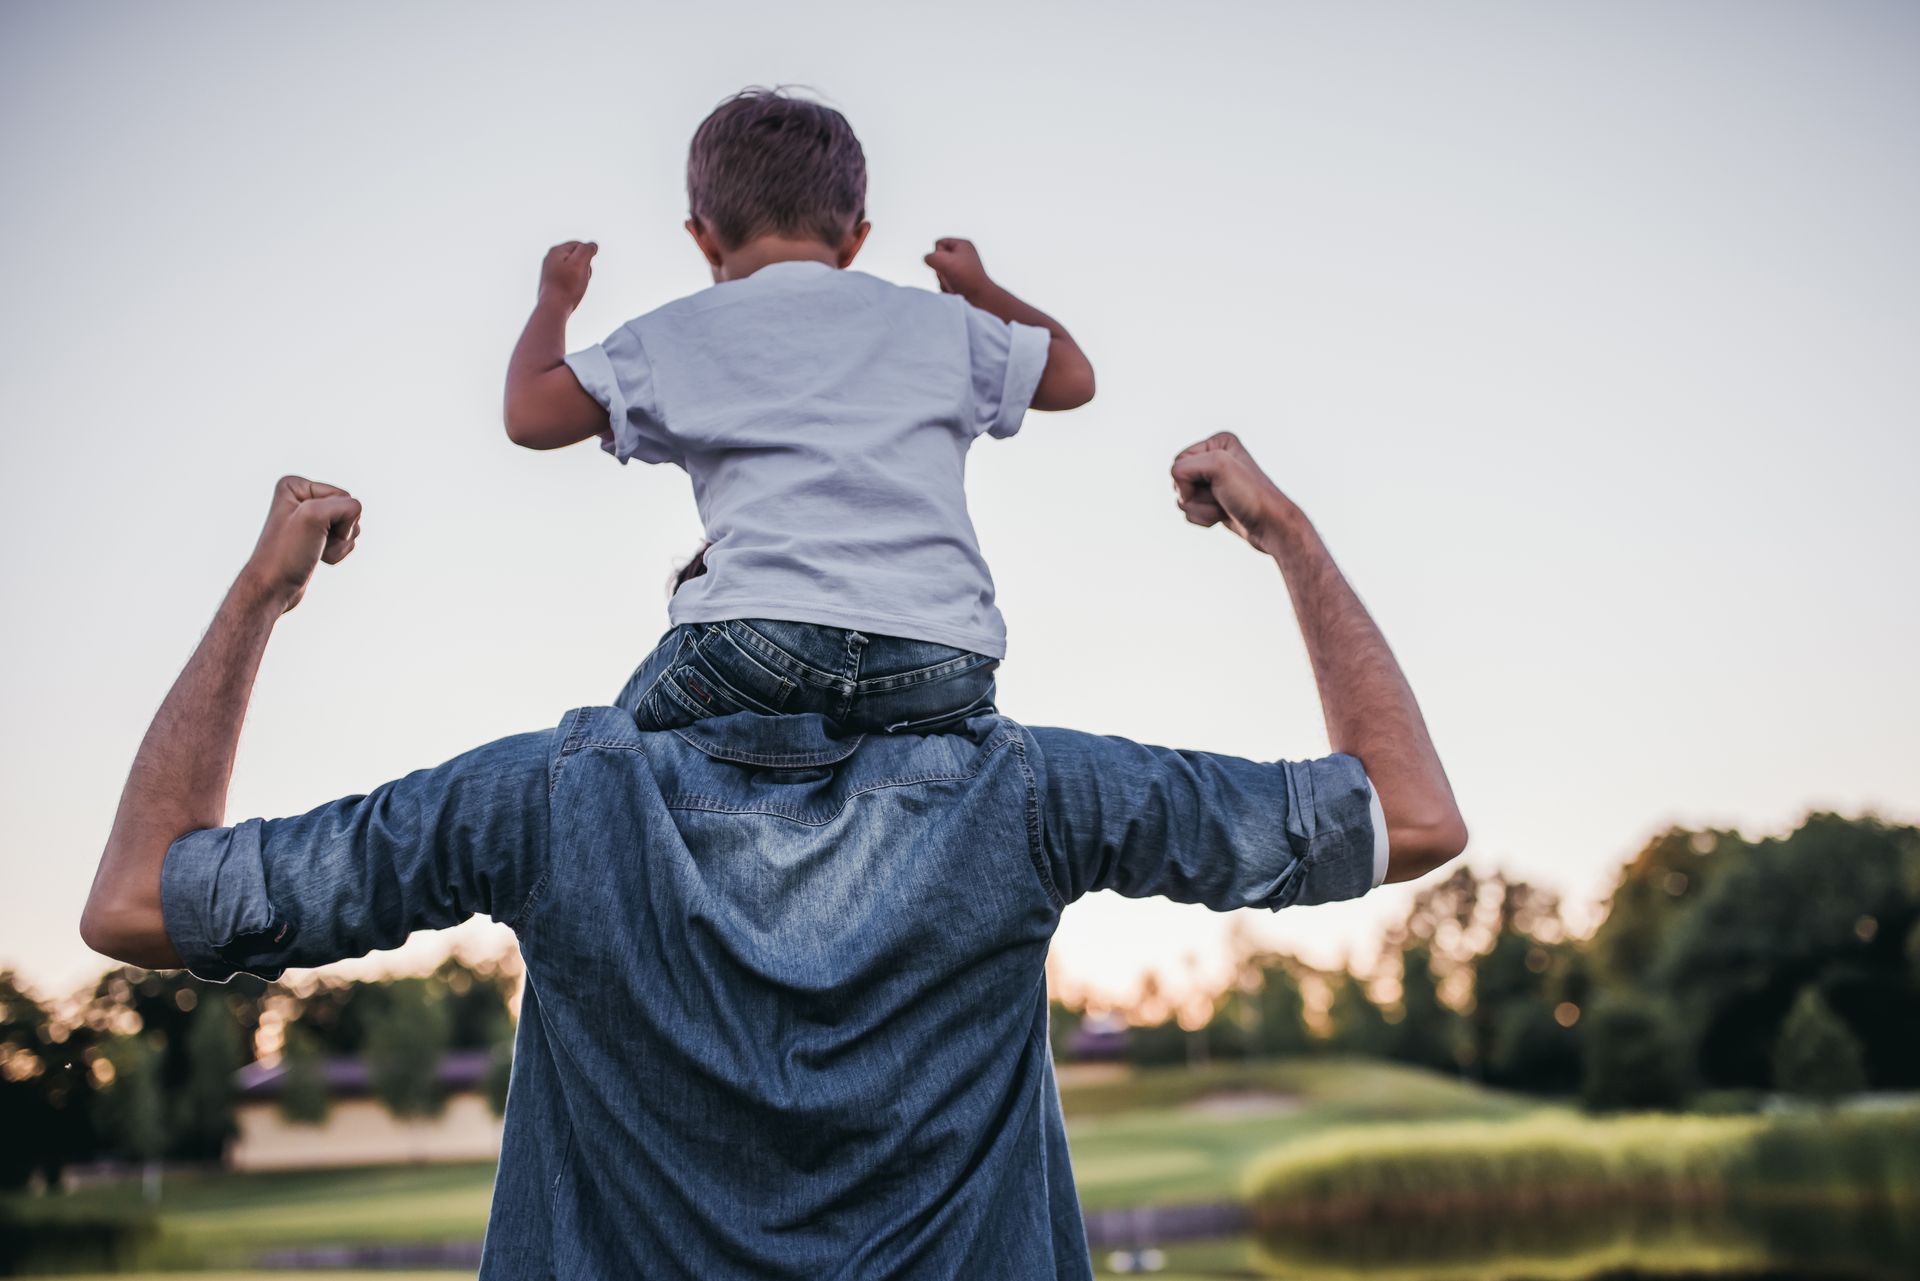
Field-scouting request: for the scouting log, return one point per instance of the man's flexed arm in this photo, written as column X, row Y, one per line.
column 1370, row 709
column 178, row 783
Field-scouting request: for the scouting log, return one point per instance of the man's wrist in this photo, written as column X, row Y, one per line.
column 256, row 593
column 1283, row 528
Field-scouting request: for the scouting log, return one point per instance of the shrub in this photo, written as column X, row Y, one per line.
column 1817, row 1054
column 1543, row 1161
column 1633, row 1058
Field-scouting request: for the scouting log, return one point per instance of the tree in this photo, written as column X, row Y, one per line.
column 1428, row 1033
column 1161, row 1044
column 45, row 1100
column 1280, row 1013
column 476, row 1000
column 1534, row 1051
column 1063, row 1021
column 404, row 1047
column 1633, row 1057
column 1830, row 904
column 341, row 1013
column 1658, row 887
column 1356, row 1024
column 1233, row 1025
column 304, row 1097
column 203, row 1106
column 133, row 1107
column 1816, row 1054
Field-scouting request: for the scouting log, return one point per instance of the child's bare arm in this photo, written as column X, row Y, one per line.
column 1067, row 382
column 546, row 407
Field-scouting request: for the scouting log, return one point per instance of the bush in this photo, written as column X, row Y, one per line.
column 1633, row 1057
column 1562, row 1161
column 1533, row 1052
column 1817, row 1054
column 1543, row 1161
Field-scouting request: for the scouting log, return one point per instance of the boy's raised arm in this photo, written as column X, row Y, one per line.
column 1067, row 382
column 546, row 407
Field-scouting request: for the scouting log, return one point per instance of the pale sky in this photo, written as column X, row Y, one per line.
column 1588, row 335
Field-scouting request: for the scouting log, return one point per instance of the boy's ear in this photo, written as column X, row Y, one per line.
column 704, row 238
column 850, row 247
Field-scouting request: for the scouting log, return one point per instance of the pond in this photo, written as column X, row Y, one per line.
column 1804, row 1242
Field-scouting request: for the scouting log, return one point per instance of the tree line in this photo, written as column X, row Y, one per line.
column 1723, row 969
column 141, row 1067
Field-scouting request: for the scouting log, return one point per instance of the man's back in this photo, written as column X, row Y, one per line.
column 773, row 1027
column 785, row 1012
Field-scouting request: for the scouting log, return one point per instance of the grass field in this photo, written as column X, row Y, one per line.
column 1158, row 1137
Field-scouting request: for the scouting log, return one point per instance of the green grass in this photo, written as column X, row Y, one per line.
column 1140, row 1141
column 1135, row 1141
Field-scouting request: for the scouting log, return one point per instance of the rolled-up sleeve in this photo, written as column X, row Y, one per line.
column 1007, row 360
column 1202, row 828
column 358, row 874
column 618, row 374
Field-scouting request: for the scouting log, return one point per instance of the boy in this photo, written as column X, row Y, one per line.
column 824, row 417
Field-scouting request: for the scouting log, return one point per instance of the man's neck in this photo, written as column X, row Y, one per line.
column 762, row 251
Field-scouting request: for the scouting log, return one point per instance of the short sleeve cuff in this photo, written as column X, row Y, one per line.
column 1379, row 817
column 1026, row 361
column 1334, row 808
column 213, row 900
column 594, row 370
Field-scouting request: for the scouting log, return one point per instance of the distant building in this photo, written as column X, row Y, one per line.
column 1100, row 1038
column 359, row 1130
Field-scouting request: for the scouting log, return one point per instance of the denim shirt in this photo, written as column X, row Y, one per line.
column 785, row 1012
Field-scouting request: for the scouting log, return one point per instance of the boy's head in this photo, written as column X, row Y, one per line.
column 766, row 164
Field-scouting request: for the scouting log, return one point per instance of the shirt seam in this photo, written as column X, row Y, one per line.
column 570, row 743
column 1036, row 839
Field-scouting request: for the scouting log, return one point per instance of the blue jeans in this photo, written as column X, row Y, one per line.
column 860, row 683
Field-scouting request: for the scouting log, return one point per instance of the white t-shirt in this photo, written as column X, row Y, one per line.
column 824, row 417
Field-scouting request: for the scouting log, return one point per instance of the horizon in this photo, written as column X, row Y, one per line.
column 1586, row 341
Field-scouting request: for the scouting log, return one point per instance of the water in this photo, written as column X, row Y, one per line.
column 1804, row 1242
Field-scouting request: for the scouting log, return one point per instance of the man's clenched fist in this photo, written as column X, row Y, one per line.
column 309, row 522
column 1218, row 483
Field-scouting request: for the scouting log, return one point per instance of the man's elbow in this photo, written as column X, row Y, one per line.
column 103, row 929
column 93, row 930
column 129, row 927
column 1413, row 850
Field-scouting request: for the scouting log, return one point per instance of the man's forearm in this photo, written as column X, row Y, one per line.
column 1370, row 709
column 179, row 779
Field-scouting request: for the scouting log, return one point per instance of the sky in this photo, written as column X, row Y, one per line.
column 1587, row 335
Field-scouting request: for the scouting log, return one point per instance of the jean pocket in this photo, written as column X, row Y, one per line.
column 932, row 706
column 716, row 677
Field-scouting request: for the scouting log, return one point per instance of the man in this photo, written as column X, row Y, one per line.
column 785, row 1012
